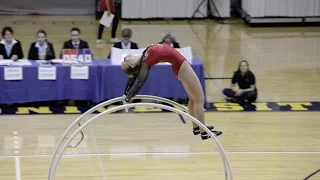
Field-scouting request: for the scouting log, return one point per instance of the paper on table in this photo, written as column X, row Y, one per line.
column 57, row 60
column 42, row 61
column 6, row 62
column 22, row 62
column 106, row 20
column 164, row 63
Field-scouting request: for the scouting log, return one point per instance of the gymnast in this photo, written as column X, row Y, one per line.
column 137, row 67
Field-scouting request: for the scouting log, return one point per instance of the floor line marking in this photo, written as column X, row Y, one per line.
column 95, row 144
column 17, row 157
column 163, row 153
column 18, row 167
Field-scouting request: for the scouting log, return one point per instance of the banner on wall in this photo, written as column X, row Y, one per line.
column 48, row 7
column 117, row 55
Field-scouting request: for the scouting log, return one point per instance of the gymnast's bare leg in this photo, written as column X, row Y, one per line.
column 194, row 89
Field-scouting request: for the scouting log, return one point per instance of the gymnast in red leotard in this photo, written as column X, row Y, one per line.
column 137, row 67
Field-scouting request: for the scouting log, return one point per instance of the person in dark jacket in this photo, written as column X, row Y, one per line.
column 126, row 42
column 42, row 49
column 10, row 48
column 75, row 42
column 170, row 40
column 247, row 91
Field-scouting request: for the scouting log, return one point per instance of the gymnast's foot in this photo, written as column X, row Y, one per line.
column 197, row 131
column 205, row 135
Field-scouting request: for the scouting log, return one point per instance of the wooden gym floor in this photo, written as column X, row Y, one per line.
column 260, row 145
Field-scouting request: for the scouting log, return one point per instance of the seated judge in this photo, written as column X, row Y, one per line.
column 42, row 49
column 126, row 42
column 10, row 48
column 75, row 42
column 170, row 40
column 247, row 91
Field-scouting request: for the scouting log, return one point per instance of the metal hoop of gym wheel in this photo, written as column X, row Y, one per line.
column 70, row 133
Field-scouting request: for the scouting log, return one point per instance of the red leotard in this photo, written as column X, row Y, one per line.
column 164, row 53
column 153, row 55
column 103, row 6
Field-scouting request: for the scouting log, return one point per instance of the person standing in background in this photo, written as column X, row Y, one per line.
column 114, row 7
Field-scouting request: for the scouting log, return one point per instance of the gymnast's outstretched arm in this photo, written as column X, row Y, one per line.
column 130, row 82
column 142, row 77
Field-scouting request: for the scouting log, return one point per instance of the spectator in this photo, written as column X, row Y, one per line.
column 114, row 7
column 75, row 42
column 247, row 91
column 10, row 48
column 170, row 40
column 126, row 42
column 42, row 49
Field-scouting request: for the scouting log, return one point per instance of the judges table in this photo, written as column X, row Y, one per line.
column 161, row 81
column 105, row 81
column 31, row 89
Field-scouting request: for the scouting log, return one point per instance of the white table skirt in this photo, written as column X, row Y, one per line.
column 284, row 8
column 143, row 9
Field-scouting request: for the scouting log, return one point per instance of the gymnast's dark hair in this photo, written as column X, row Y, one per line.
column 43, row 32
column 75, row 29
column 5, row 29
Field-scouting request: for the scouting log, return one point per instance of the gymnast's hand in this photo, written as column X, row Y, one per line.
column 124, row 102
column 124, row 99
column 239, row 92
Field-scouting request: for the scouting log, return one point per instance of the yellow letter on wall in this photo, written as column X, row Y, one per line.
column 27, row 110
column 102, row 109
column 228, row 107
column 296, row 106
column 71, row 110
column 262, row 107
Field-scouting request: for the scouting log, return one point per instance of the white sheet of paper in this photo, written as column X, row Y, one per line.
column 164, row 63
column 117, row 55
column 42, row 61
column 6, row 62
column 79, row 72
column 22, row 62
column 57, row 60
column 186, row 52
column 106, row 20
column 47, row 73
column 13, row 73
